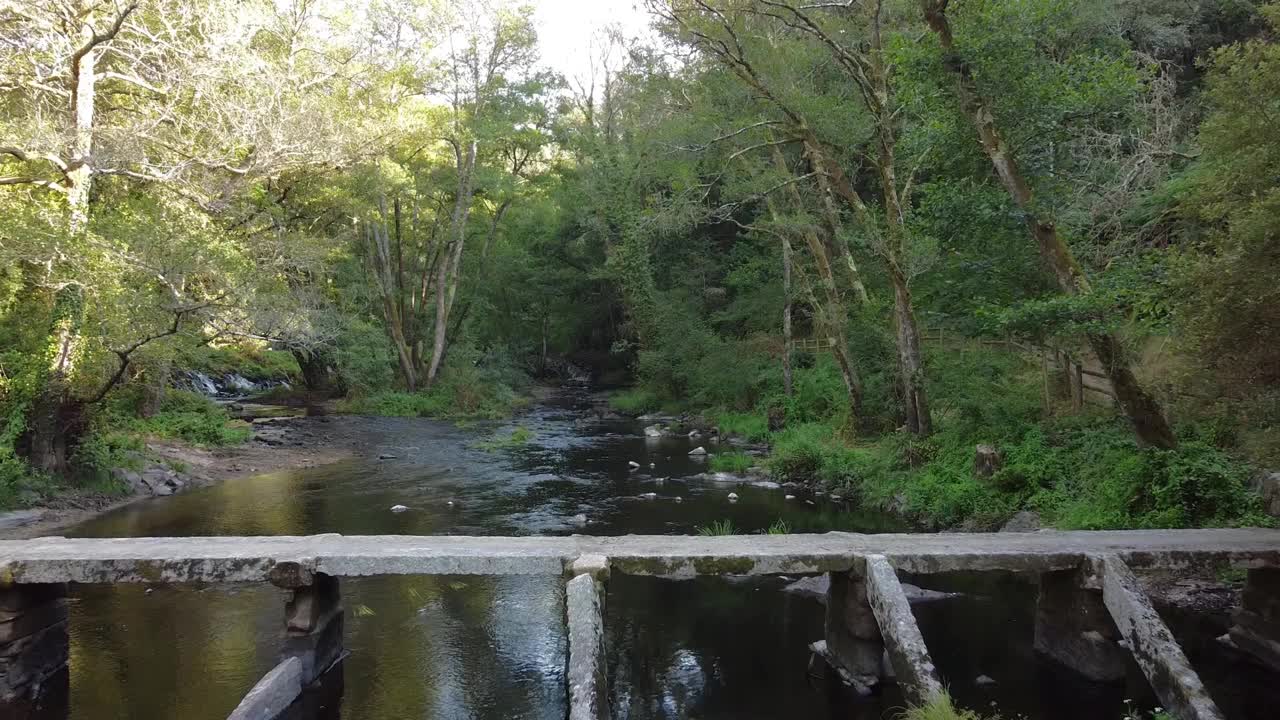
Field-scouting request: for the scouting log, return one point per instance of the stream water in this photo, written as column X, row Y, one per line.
column 482, row 647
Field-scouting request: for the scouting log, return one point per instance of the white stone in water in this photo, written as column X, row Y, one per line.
column 653, row 431
column 698, row 451
column 649, row 495
column 398, row 508
column 633, row 464
column 679, row 499
column 652, row 466
column 836, row 498
column 788, row 497
column 733, row 497
column 580, row 519
column 810, row 502
column 984, row 680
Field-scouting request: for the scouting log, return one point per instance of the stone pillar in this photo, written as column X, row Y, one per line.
column 313, row 626
column 853, row 641
column 1257, row 622
column 1074, row 628
column 33, row 639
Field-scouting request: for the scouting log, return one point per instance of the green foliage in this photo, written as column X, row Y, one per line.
column 718, row 527
column 942, row 708
column 731, row 462
column 779, row 527
column 752, row 426
column 517, row 438
column 466, row 389
column 254, row 363
column 190, row 417
column 634, row 401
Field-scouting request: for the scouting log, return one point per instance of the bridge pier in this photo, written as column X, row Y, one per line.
column 313, row 626
column 1256, row 628
column 33, row 639
column 853, row 641
column 1074, row 628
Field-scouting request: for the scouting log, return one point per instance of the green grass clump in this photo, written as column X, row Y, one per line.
column 752, row 426
column 779, row 527
column 718, row 527
column 518, row 437
column 731, row 462
column 635, row 401
column 941, row 708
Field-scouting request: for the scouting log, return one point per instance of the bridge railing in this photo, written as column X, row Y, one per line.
column 1090, row 606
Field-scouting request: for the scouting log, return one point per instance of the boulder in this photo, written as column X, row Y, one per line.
column 161, row 481
column 1025, row 521
column 986, row 461
column 698, row 451
column 1267, row 485
column 653, row 430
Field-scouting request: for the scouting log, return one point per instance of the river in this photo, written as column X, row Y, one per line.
column 495, row 647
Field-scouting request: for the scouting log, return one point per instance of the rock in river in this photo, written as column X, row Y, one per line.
column 698, row 451
column 398, row 508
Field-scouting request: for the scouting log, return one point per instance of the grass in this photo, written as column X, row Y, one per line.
column 718, row 527
column 635, row 401
column 731, row 462
column 942, row 708
column 779, row 527
column 752, row 426
column 518, row 437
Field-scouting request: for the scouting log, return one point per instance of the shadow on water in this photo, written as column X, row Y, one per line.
column 495, row 647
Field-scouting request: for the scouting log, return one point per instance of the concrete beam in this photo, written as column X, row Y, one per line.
column 257, row 559
column 588, row 684
column 313, row 627
column 1152, row 644
column 273, row 694
column 907, row 651
column 1256, row 628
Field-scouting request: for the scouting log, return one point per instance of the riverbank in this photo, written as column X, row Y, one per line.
column 288, row 443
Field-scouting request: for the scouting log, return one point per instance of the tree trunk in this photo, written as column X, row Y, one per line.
column 786, row 316
column 1142, row 409
column 831, row 313
column 316, row 371
column 451, row 263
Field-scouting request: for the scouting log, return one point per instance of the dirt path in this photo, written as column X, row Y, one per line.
column 278, row 444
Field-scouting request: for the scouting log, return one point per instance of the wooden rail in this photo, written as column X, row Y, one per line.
column 867, row 609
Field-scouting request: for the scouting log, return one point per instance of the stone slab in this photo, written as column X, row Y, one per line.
column 273, row 694
column 588, row 685
column 254, row 559
column 1157, row 653
column 902, row 640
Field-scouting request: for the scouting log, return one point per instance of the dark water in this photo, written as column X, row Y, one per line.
column 495, row 647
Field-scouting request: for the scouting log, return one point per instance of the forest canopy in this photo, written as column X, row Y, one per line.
column 875, row 234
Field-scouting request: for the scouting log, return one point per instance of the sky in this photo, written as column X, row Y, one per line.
column 565, row 28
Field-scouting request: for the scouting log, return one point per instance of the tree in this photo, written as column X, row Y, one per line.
column 1142, row 409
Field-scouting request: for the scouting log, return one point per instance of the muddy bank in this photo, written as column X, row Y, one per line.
column 277, row 444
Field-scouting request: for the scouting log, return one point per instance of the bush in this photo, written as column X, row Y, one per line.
column 190, row 417
column 469, row 386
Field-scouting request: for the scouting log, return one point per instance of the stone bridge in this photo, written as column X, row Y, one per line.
column 1091, row 610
